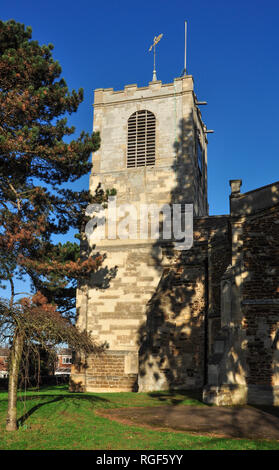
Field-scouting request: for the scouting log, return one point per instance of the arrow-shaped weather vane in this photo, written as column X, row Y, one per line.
column 155, row 41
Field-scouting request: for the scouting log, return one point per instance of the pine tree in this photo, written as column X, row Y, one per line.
column 36, row 204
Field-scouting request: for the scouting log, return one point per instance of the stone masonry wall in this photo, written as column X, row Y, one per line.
column 115, row 306
column 244, row 365
column 115, row 312
column 260, row 239
column 154, row 314
column 174, row 346
column 172, row 342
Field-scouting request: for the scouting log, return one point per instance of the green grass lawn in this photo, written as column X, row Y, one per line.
column 54, row 418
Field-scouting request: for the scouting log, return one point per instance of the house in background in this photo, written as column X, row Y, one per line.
column 64, row 361
column 62, row 367
column 4, row 354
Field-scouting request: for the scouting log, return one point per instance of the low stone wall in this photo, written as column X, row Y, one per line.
column 106, row 372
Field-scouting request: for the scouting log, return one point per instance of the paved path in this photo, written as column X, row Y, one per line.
column 242, row 422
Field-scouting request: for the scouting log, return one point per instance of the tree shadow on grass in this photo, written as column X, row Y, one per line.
column 57, row 398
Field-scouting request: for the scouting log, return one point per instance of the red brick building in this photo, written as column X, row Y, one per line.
column 64, row 361
column 4, row 354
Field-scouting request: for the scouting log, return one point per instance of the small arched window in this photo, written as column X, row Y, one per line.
column 141, row 139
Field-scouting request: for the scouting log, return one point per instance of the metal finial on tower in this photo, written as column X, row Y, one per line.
column 184, row 73
column 155, row 41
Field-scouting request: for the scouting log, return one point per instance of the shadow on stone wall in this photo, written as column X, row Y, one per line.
column 244, row 364
column 173, row 341
column 101, row 279
column 241, row 362
column 260, row 299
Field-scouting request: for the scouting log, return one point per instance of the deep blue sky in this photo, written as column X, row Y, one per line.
column 232, row 54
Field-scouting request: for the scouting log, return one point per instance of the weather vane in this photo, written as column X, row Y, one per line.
column 155, row 41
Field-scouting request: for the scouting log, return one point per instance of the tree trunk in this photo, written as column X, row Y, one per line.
column 15, row 359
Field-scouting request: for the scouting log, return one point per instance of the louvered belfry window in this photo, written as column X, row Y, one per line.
column 141, row 139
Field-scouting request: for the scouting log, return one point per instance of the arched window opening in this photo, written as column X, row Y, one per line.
column 141, row 139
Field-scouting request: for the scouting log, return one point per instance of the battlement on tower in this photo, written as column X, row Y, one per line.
column 156, row 90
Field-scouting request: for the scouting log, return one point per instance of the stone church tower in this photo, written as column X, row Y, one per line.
column 153, row 150
column 206, row 317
